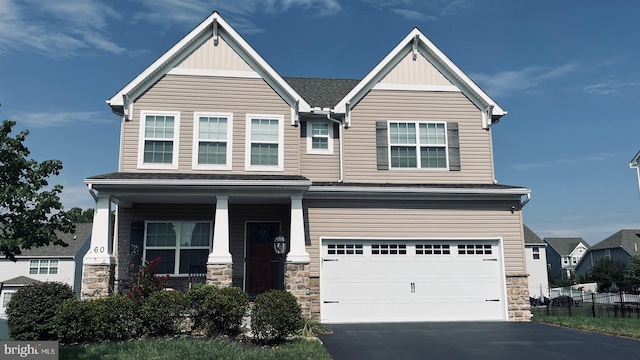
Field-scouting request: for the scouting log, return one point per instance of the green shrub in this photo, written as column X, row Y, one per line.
column 276, row 314
column 116, row 318
column 32, row 308
column 195, row 298
column 162, row 313
column 144, row 281
column 75, row 322
column 223, row 310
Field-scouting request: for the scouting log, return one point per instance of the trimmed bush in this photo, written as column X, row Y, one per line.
column 32, row 308
column 223, row 310
column 162, row 313
column 276, row 314
column 195, row 298
column 75, row 322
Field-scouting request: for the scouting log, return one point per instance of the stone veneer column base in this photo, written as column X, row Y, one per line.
column 314, row 297
column 518, row 297
column 97, row 281
column 219, row 274
column 296, row 281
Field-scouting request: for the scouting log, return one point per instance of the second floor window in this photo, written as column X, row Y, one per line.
column 418, row 145
column 264, row 145
column 212, row 141
column 43, row 266
column 536, row 252
column 319, row 137
column 158, row 140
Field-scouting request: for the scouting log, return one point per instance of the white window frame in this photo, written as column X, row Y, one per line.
column 418, row 146
column 607, row 253
column 177, row 247
column 565, row 260
column 247, row 164
column 329, row 137
column 4, row 294
column 536, row 251
column 196, row 141
column 176, row 142
column 39, row 266
column 574, row 260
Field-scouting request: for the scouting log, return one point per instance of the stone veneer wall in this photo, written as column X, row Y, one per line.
column 296, row 281
column 97, row 281
column 314, row 297
column 219, row 274
column 518, row 297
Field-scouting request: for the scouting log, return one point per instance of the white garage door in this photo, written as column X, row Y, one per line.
column 386, row 281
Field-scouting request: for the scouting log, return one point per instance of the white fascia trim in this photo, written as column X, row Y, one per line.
column 216, row 73
column 403, row 48
column 196, row 182
column 338, row 189
column 635, row 162
column 177, row 53
column 416, row 87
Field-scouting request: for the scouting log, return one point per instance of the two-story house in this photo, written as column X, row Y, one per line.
column 383, row 188
column 564, row 253
column 536, row 255
column 621, row 247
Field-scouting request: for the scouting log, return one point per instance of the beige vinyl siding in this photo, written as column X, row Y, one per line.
column 221, row 57
column 416, row 219
column 320, row 167
column 187, row 94
column 415, row 72
column 384, row 105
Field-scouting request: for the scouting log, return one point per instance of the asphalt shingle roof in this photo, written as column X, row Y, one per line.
column 530, row 237
column 628, row 239
column 324, row 93
column 564, row 246
column 75, row 241
column 20, row 280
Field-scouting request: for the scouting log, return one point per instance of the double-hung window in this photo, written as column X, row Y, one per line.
column 212, row 141
column 159, row 139
column 264, row 142
column 43, row 266
column 418, row 145
column 319, row 137
column 178, row 244
column 536, row 252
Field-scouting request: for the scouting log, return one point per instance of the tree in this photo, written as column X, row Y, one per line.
column 608, row 273
column 29, row 214
column 77, row 215
column 633, row 275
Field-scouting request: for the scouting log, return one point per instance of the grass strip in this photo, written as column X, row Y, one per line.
column 626, row 327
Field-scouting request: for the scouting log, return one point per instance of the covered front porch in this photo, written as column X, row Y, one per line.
column 224, row 224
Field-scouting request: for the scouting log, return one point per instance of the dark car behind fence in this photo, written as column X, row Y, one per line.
column 594, row 304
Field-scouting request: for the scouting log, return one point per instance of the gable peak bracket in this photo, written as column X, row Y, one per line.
column 295, row 114
column 414, row 47
column 347, row 115
column 215, row 32
column 125, row 107
column 487, row 117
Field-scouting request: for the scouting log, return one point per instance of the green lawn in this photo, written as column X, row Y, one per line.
column 187, row 349
column 627, row 327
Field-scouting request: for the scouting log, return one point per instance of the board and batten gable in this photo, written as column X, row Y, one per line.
column 416, row 220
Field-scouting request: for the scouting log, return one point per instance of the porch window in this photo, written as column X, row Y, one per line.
column 6, row 297
column 212, row 141
column 264, row 145
column 159, row 140
column 43, row 266
column 536, row 252
column 179, row 244
column 319, row 137
column 418, row 145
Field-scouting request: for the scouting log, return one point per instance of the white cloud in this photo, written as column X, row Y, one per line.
column 53, row 119
column 76, row 196
column 514, row 81
column 414, row 15
column 56, row 28
column 421, row 10
column 579, row 160
column 609, row 87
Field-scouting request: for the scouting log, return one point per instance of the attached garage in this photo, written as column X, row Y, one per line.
column 364, row 280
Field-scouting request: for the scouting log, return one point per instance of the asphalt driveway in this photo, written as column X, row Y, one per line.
column 473, row 340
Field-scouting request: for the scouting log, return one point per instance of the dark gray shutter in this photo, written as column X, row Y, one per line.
column 382, row 145
column 454, row 146
column 336, row 131
column 136, row 243
column 303, row 129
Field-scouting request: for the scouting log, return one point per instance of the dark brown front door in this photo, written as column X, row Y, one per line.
column 262, row 261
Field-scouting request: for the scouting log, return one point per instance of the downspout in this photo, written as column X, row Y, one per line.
column 525, row 200
column 340, row 134
column 92, row 192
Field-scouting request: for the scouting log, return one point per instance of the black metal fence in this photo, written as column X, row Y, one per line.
column 593, row 304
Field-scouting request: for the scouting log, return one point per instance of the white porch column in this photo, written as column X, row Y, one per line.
column 101, row 250
column 220, row 253
column 297, row 251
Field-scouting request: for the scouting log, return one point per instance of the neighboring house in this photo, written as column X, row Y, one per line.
column 536, row 255
column 46, row 263
column 635, row 163
column 620, row 246
column 563, row 254
column 383, row 188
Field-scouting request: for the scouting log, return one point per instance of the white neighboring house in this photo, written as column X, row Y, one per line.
column 635, row 163
column 47, row 263
column 535, row 251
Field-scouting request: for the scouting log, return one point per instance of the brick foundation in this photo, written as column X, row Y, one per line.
column 219, row 274
column 97, row 281
column 296, row 281
column 518, row 297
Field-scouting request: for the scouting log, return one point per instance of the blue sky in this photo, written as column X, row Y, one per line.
column 565, row 70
